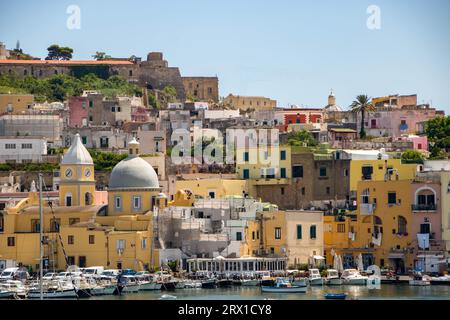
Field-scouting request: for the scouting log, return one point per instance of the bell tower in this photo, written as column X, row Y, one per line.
column 77, row 186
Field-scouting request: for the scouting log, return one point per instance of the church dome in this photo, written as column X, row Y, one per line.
column 77, row 153
column 133, row 172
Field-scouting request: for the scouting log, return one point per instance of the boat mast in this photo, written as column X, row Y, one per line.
column 41, row 232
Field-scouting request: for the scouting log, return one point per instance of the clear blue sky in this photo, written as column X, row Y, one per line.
column 292, row 51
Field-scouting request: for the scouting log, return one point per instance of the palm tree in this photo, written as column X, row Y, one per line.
column 362, row 104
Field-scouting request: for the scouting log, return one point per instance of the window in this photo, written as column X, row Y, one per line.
column 253, row 235
column 328, row 190
column 120, row 245
column 10, row 146
column 88, row 198
column 91, row 104
column 71, row 260
column 35, row 225
column 91, row 239
column 27, row 146
column 367, row 172
column 341, row 228
column 73, row 221
column 211, row 194
column 246, row 156
column 246, row 174
column 425, row 228
column 345, row 172
column 283, row 172
column 303, row 191
column 282, row 155
column 91, row 118
column 68, row 200
column 136, row 202
column 297, row 171
column 11, row 241
column 402, row 225
column 282, row 190
column 277, row 233
column 82, row 261
column 84, row 139
column 130, row 73
column 238, row 236
column 83, row 104
column 312, row 232
column 299, row 232
column 323, row 172
column 257, row 235
column 54, row 225
column 392, row 198
column 118, row 203
column 70, row 239
column 144, row 244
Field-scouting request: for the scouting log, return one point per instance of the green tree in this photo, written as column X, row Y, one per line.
column 438, row 133
column 412, row 156
column 99, row 56
column 55, row 52
column 362, row 105
column 298, row 138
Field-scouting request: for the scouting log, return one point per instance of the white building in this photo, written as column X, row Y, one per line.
column 22, row 149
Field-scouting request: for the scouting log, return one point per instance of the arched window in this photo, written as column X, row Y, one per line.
column 402, row 230
column 88, row 198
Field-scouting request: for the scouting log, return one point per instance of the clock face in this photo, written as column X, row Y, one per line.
column 87, row 173
column 68, row 173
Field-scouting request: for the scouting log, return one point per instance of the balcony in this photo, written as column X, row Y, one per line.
column 270, row 181
column 424, row 207
column 367, row 209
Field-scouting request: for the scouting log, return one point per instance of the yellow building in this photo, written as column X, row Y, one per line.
column 16, row 103
column 297, row 235
column 77, row 186
column 381, row 230
column 118, row 235
column 213, row 188
column 249, row 102
column 375, row 170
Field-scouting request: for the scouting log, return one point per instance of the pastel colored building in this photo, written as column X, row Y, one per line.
column 78, row 112
column 16, row 103
column 213, row 188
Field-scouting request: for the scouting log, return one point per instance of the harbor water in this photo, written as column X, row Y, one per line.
column 385, row 292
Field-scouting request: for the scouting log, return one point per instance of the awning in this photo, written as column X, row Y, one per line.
column 396, row 256
column 318, row 258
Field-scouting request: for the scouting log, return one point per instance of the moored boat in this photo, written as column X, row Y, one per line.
column 332, row 278
column 335, row 296
column 284, row 286
column 353, row 277
column 315, row 278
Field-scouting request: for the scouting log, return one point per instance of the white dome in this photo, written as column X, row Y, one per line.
column 77, row 154
column 133, row 173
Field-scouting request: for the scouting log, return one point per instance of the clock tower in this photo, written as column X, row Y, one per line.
column 77, row 186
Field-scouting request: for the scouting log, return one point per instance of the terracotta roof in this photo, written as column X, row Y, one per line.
column 66, row 62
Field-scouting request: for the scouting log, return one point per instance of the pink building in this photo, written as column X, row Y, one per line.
column 429, row 248
column 419, row 142
column 78, row 112
column 395, row 122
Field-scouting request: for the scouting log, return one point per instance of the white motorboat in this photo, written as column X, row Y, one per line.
column 353, row 277
column 54, row 289
column 315, row 278
column 420, row 280
column 300, row 282
column 192, row 284
column 332, row 278
column 12, row 289
column 284, row 286
column 442, row 280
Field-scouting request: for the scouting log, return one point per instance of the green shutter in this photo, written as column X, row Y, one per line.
column 299, row 231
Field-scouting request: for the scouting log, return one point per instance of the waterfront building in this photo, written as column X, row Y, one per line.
column 115, row 235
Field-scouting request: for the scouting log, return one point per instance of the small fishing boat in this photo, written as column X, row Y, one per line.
column 54, row 289
column 335, row 296
column 284, row 286
column 129, row 284
column 224, row 283
column 332, row 278
column 191, row 284
column 12, row 289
